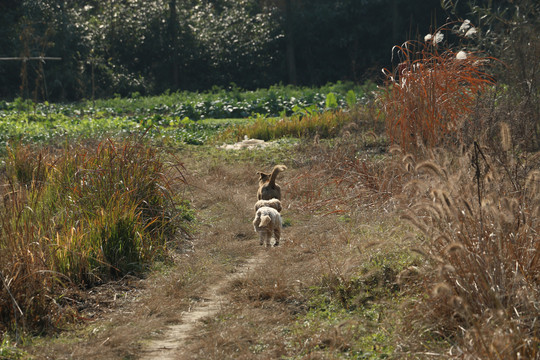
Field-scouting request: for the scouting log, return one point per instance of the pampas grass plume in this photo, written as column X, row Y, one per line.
column 395, row 149
column 430, row 166
column 414, row 221
column 408, row 158
column 532, row 184
column 443, row 239
column 468, row 206
column 407, row 275
column 409, row 167
column 442, row 290
column 448, row 269
column 454, row 248
column 506, row 137
column 435, row 210
column 458, row 304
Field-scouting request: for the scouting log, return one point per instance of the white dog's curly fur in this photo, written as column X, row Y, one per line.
column 267, row 222
column 273, row 203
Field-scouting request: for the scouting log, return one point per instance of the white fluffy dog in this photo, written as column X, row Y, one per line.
column 273, row 203
column 267, row 221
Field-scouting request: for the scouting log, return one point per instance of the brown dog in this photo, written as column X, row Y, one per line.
column 268, row 189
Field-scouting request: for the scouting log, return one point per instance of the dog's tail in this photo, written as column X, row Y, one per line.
column 265, row 221
column 277, row 169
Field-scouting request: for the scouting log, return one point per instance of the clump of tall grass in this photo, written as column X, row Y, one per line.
column 432, row 92
column 77, row 218
column 346, row 174
column 479, row 217
column 324, row 124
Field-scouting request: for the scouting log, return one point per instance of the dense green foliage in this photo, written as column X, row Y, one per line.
column 121, row 47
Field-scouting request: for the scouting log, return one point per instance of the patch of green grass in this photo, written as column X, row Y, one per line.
column 189, row 118
column 219, row 103
column 350, row 317
column 10, row 351
column 325, row 125
column 231, row 121
column 266, row 157
column 286, row 221
column 58, row 128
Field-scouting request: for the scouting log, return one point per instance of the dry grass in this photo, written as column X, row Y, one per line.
column 128, row 317
column 344, row 283
column 326, row 260
column 348, row 174
column 326, row 124
column 479, row 217
column 272, row 313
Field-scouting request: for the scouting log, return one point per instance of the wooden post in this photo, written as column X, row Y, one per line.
column 24, row 59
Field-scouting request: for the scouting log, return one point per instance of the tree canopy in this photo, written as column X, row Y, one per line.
column 150, row 46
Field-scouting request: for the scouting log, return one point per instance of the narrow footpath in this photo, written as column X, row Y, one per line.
column 169, row 345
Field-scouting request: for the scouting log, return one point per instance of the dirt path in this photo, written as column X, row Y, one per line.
column 169, row 345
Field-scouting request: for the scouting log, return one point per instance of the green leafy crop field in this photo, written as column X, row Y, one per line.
column 181, row 117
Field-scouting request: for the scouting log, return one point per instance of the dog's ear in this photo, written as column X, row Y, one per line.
column 262, row 176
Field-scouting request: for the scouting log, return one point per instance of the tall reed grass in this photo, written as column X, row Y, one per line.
column 432, row 92
column 75, row 218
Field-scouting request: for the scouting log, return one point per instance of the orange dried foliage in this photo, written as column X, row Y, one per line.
column 431, row 93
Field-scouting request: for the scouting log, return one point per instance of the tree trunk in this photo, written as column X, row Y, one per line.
column 173, row 38
column 289, row 38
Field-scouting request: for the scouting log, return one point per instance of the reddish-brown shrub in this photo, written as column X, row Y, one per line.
column 432, row 92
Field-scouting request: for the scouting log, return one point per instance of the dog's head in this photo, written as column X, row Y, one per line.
column 273, row 203
column 263, row 177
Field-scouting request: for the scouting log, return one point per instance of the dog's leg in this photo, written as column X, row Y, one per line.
column 268, row 238
column 277, row 236
column 256, row 224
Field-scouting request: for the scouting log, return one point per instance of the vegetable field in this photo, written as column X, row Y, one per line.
column 184, row 117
